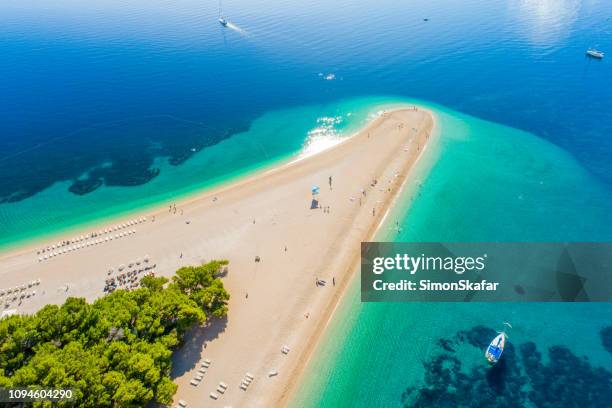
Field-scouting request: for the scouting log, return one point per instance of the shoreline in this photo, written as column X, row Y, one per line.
column 297, row 376
column 184, row 198
column 275, row 301
column 230, row 180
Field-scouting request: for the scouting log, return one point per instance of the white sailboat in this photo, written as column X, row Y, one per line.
column 222, row 20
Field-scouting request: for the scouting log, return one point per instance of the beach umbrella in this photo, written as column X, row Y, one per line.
column 314, row 190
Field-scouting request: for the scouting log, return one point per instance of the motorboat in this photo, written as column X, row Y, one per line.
column 593, row 53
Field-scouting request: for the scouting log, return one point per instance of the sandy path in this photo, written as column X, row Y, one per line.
column 256, row 217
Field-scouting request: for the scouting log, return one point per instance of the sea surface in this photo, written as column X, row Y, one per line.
column 108, row 107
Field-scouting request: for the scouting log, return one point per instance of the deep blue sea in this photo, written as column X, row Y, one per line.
column 107, row 106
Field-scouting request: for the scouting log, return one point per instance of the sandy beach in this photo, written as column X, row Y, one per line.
column 280, row 240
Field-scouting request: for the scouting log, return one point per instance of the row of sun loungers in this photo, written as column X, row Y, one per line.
column 134, row 264
column 74, row 247
column 221, row 388
column 204, row 365
column 246, row 381
column 93, row 238
column 18, row 293
column 19, row 288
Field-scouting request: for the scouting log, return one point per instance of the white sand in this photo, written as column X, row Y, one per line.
column 258, row 216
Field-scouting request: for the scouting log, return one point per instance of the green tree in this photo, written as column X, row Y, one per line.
column 116, row 351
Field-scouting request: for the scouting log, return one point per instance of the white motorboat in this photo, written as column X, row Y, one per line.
column 591, row 52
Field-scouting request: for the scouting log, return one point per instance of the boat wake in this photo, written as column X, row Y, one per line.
column 237, row 29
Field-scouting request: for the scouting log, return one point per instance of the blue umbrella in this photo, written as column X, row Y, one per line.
column 315, row 190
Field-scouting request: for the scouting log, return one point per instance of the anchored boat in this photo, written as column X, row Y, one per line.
column 591, row 52
column 494, row 352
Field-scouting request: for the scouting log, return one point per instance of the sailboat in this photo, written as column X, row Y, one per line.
column 494, row 352
column 222, row 20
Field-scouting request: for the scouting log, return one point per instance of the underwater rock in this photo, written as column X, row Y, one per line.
column 521, row 378
column 606, row 338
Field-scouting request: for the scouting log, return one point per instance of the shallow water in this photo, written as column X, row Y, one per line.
column 489, row 183
column 111, row 106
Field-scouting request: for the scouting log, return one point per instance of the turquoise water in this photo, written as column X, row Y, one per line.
column 271, row 138
column 488, row 183
column 113, row 106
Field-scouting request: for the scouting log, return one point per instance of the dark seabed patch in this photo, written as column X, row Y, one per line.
column 606, row 338
column 521, row 378
column 116, row 154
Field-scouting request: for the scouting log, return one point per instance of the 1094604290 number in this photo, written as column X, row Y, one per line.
column 35, row 394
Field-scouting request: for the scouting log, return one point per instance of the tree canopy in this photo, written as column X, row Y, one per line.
column 115, row 351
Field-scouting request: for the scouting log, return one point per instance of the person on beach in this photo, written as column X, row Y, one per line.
column 330, row 182
column 373, row 212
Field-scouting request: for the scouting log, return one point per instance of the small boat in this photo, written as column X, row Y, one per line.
column 496, row 348
column 494, row 352
column 591, row 52
column 222, row 20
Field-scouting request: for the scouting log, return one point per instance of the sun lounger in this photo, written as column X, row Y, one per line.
column 202, row 370
column 199, row 377
column 243, row 387
column 182, row 403
column 222, row 384
column 249, row 375
column 214, row 396
column 194, row 382
column 272, row 373
column 220, row 390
